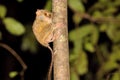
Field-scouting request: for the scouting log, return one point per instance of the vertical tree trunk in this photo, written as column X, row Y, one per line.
column 61, row 50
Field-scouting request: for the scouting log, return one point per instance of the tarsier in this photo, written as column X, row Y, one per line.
column 44, row 32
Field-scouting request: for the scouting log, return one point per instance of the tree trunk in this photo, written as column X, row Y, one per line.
column 61, row 49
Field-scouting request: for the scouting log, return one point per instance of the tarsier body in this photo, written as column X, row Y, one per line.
column 43, row 31
column 42, row 27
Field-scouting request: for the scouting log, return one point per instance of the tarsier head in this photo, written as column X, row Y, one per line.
column 44, row 15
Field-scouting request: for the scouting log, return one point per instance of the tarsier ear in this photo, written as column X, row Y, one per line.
column 38, row 12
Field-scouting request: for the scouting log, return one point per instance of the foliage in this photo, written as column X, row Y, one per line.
column 16, row 28
column 102, row 22
column 2, row 11
column 29, row 41
column 13, row 74
column 13, row 26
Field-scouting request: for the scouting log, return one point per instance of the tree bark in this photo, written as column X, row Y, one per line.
column 61, row 49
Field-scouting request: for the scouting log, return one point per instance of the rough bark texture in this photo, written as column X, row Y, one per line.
column 61, row 50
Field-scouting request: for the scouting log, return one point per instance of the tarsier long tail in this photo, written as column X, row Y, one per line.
column 51, row 64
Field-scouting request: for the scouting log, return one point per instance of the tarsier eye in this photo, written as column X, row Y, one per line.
column 47, row 14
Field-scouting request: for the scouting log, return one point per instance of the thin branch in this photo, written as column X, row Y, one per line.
column 97, row 20
column 19, row 59
column 100, row 19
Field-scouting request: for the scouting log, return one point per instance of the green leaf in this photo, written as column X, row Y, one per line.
column 115, row 56
column 107, row 67
column 116, row 48
column 81, row 63
column 87, row 34
column 97, row 14
column 72, row 35
column 116, row 76
column 103, row 27
column 48, row 5
column 117, row 3
column 83, row 32
column 113, row 32
column 13, row 74
column 74, row 75
column 110, row 65
column 77, row 18
column 97, row 7
column 72, row 56
column 19, row 1
column 110, row 11
column 13, row 26
column 76, row 5
column 89, row 47
column 75, row 51
column 3, row 11
column 77, row 47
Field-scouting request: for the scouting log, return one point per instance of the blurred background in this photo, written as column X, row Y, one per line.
column 94, row 40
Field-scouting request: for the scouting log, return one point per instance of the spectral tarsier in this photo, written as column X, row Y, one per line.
column 44, row 32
